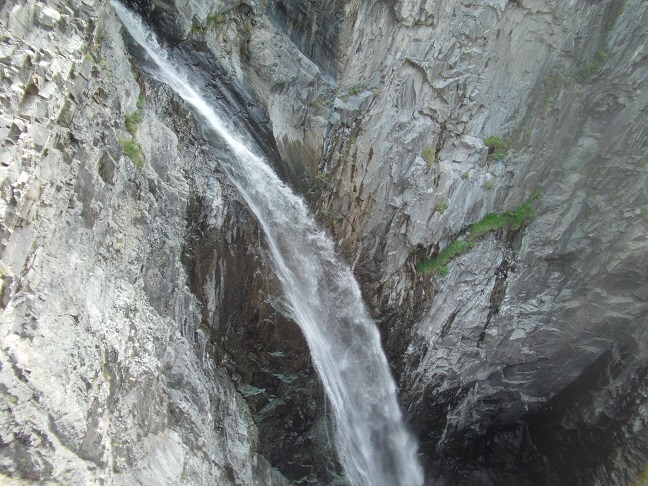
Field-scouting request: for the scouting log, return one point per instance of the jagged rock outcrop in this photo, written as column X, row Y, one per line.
column 106, row 365
column 484, row 351
column 143, row 338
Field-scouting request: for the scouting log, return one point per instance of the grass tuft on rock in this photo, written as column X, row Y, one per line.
column 518, row 217
column 586, row 71
column 429, row 156
column 133, row 150
column 497, row 147
column 513, row 219
column 488, row 185
column 132, row 121
column 440, row 262
column 357, row 89
column 441, row 206
column 490, row 222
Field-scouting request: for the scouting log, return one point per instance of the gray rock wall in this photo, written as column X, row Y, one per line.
column 141, row 323
column 106, row 372
column 525, row 314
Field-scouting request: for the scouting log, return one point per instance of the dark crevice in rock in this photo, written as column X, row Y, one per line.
column 513, row 240
column 428, row 416
column 264, row 352
column 581, row 430
column 441, row 140
column 448, row 324
column 313, row 27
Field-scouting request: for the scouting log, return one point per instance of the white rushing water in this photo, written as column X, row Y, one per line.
column 372, row 442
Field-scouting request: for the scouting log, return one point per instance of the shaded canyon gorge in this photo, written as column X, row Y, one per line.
column 481, row 167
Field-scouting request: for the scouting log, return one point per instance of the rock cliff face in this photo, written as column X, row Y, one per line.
column 144, row 338
column 107, row 368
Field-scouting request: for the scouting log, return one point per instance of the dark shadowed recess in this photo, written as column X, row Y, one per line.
column 264, row 352
column 572, row 439
column 313, row 26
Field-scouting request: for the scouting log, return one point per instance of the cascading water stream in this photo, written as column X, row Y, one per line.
column 373, row 445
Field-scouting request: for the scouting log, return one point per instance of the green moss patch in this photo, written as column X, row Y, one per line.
column 132, row 121
column 429, row 156
column 513, row 219
column 133, row 150
column 497, row 147
column 588, row 69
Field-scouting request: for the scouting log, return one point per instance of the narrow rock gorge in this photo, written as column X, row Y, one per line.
column 482, row 167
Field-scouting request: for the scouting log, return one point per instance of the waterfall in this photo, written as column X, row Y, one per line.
column 372, row 442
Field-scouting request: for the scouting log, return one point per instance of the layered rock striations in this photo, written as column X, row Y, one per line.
column 107, row 368
column 144, row 339
column 487, row 354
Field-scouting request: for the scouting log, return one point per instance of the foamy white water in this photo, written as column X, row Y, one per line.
column 372, row 442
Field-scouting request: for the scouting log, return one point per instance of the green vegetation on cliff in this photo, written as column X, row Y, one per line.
column 559, row 79
column 440, row 262
column 587, row 70
column 429, row 156
column 497, row 147
column 513, row 219
column 132, row 121
column 133, row 150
